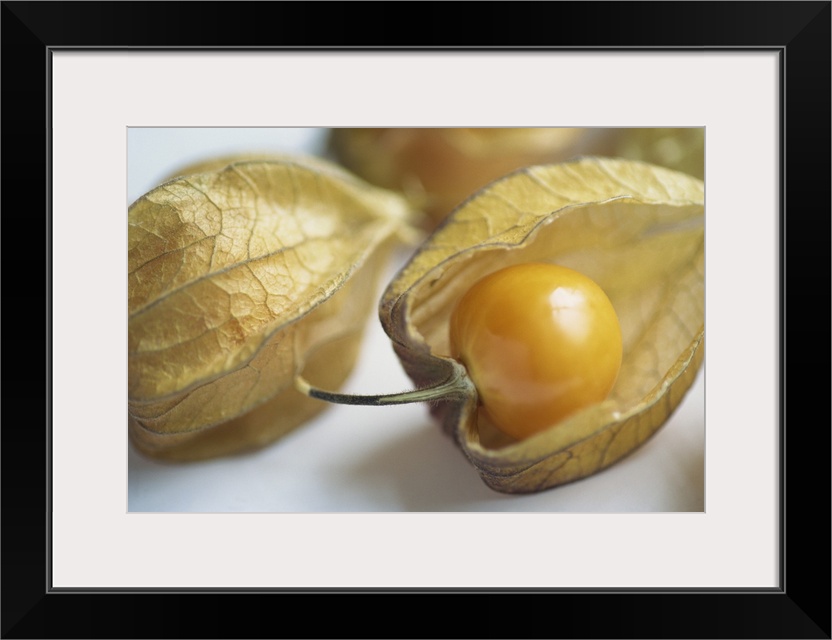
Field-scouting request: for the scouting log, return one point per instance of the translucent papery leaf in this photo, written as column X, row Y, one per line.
column 239, row 278
column 635, row 229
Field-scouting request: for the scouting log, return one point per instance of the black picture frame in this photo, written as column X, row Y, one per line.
column 799, row 608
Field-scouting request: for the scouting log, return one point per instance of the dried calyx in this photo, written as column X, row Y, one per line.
column 242, row 274
column 635, row 229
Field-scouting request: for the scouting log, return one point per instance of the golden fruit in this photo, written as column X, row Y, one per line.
column 539, row 341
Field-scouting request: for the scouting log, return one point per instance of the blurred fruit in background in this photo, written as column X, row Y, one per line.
column 680, row 149
column 437, row 169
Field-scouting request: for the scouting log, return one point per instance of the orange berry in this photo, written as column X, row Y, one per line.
column 540, row 342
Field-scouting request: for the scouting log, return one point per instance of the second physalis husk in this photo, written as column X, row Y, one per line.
column 241, row 276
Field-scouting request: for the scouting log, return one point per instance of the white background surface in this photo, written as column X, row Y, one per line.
column 96, row 542
column 371, row 459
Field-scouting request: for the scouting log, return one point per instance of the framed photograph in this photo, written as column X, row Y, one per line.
column 706, row 534
column 343, row 470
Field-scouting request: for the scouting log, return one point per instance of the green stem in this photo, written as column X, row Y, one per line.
column 457, row 385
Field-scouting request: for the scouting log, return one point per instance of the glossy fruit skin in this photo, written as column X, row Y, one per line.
column 540, row 341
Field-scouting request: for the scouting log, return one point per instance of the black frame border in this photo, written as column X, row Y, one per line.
column 799, row 31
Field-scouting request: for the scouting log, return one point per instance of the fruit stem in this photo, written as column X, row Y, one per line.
column 458, row 384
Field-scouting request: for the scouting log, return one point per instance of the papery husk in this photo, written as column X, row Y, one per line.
column 241, row 277
column 634, row 228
